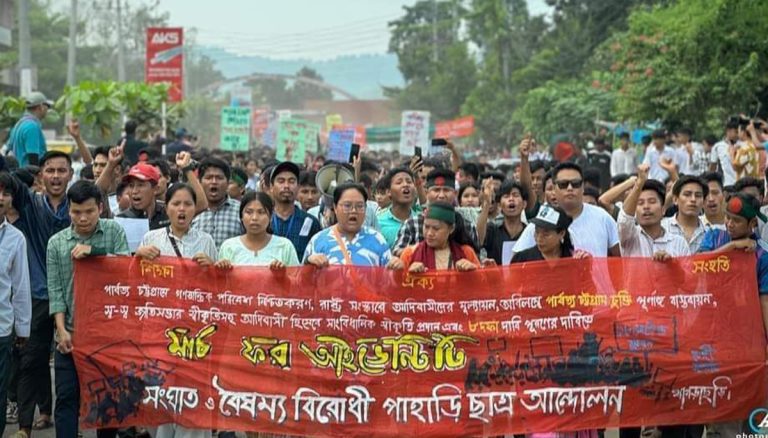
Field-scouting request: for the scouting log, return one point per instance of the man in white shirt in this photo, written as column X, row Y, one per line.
column 693, row 159
column 689, row 193
column 593, row 229
column 721, row 156
column 640, row 230
column 657, row 151
column 623, row 159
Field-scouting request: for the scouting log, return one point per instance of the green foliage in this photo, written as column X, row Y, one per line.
column 693, row 62
column 100, row 105
column 438, row 69
column 277, row 92
column 564, row 107
column 11, row 110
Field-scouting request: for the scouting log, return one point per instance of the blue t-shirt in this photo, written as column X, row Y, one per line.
column 715, row 238
column 27, row 138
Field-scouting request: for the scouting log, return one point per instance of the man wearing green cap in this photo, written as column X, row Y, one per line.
column 26, row 139
column 742, row 211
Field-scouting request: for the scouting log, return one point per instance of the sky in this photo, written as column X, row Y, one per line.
column 313, row 29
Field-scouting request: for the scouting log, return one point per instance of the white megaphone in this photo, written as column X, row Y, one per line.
column 331, row 176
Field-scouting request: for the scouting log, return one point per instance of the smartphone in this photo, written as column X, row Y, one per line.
column 354, row 152
column 439, row 142
column 417, row 152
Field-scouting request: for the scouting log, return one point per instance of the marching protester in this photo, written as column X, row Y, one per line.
column 221, row 219
column 40, row 217
column 401, row 186
column 441, row 187
column 499, row 239
column 446, row 246
column 553, row 240
column 259, row 246
column 289, row 221
column 688, row 195
column 15, row 294
column 180, row 240
column 592, row 229
column 348, row 242
column 88, row 236
column 26, row 139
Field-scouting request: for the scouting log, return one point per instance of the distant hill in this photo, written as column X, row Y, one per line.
column 362, row 76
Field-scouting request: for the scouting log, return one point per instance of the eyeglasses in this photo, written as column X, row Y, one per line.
column 348, row 207
column 564, row 183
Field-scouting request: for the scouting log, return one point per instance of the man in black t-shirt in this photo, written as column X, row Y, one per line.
column 500, row 238
column 600, row 159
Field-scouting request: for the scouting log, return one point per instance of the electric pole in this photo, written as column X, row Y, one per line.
column 25, row 50
column 434, row 30
column 120, row 52
column 72, row 50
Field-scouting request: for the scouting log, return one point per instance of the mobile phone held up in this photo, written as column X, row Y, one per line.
column 439, row 142
column 417, row 152
column 354, row 152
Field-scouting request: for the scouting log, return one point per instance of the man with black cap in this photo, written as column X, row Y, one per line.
column 288, row 221
column 742, row 212
column 26, row 139
column 441, row 187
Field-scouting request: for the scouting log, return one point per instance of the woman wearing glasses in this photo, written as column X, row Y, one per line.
column 349, row 242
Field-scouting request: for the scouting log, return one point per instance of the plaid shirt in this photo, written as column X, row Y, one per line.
column 412, row 232
column 108, row 238
column 222, row 223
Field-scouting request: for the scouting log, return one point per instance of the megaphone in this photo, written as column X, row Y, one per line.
column 331, row 176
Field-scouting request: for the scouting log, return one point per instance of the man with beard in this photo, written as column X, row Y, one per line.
column 288, row 221
column 688, row 195
column 41, row 216
column 222, row 218
column 402, row 193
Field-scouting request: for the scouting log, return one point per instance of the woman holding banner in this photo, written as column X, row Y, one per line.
column 258, row 246
column 179, row 240
column 445, row 246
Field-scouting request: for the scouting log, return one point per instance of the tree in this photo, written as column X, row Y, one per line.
column 306, row 91
column 564, row 107
column 693, row 62
column 436, row 65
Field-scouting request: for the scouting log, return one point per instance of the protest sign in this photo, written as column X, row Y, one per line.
column 339, row 144
column 333, row 120
column 348, row 351
column 461, row 127
column 164, row 60
column 291, row 140
column 312, row 132
column 235, row 128
column 414, row 131
column 260, row 121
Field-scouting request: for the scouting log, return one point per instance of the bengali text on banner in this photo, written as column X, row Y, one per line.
column 560, row 346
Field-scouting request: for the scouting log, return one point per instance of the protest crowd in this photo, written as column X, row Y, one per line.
column 675, row 194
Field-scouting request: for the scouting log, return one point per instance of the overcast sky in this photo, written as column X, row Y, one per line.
column 318, row 29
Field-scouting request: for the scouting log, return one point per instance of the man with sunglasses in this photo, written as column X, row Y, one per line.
column 593, row 230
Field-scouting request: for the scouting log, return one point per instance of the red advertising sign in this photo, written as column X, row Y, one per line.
column 165, row 59
column 461, row 127
column 348, row 351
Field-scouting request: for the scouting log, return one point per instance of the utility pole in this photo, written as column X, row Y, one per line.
column 72, row 49
column 434, row 31
column 120, row 52
column 25, row 50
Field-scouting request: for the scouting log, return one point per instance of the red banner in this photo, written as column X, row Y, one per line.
column 461, row 127
column 165, row 59
column 564, row 346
